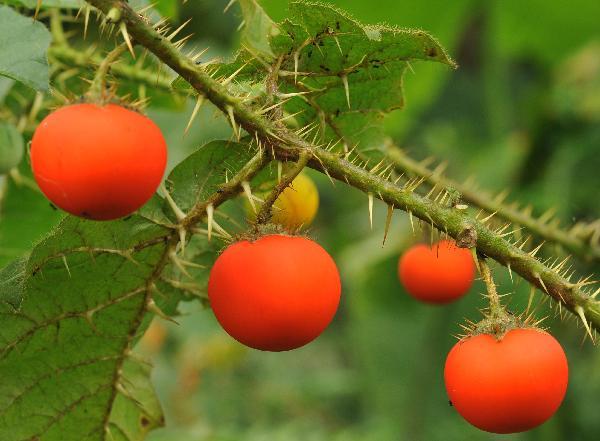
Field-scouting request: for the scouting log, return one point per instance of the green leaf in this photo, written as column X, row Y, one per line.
column 11, row 147
column 64, row 355
column 258, row 28
column 12, row 277
column 324, row 49
column 25, row 217
column 136, row 411
column 201, row 174
column 197, row 177
column 23, row 47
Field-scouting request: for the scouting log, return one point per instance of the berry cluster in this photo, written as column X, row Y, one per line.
column 278, row 292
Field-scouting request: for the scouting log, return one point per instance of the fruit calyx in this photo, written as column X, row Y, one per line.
column 102, row 95
column 498, row 325
column 259, row 230
column 497, row 321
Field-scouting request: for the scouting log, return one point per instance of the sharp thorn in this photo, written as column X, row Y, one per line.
column 371, row 199
column 210, row 212
column 123, row 29
column 248, row 193
column 346, row 89
column 388, row 221
column 197, row 106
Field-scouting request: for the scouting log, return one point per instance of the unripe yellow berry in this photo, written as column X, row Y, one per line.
column 298, row 204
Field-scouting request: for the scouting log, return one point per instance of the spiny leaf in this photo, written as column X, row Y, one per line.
column 203, row 171
column 336, row 72
column 12, row 277
column 71, row 336
column 136, row 411
column 347, row 64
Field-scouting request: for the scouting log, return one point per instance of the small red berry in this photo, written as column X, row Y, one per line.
column 508, row 385
column 439, row 274
column 98, row 162
column 276, row 293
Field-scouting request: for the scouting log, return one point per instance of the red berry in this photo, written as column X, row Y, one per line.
column 98, row 162
column 508, row 385
column 276, row 293
column 440, row 274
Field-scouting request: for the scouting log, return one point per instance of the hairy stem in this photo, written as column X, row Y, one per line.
column 457, row 224
column 69, row 56
column 97, row 89
column 493, row 297
column 266, row 212
column 544, row 230
column 227, row 191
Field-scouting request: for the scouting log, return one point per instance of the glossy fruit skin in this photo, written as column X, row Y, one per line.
column 439, row 274
column 276, row 293
column 508, row 385
column 298, row 204
column 98, row 162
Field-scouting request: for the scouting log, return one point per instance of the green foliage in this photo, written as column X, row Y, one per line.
column 201, row 174
column 85, row 290
column 75, row 304
column 354, row 72
column 23, row 47
column 74, row 308
column 258, row 28
column 345, row 75
column 25, row 217
column 11, row 147
column 12, row 277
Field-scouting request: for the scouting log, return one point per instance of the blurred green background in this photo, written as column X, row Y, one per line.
column 522, row 112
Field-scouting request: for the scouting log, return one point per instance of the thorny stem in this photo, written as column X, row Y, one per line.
column 403, row 163
column 227, row 190
column 496, row 308
column 456, row 224
column 266, row 212
column 288, row 145
column 545, row 230
column 72, row 57
column 97, row 89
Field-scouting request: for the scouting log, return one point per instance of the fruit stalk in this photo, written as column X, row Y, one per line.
column 265, row 213
column 97, row 88
column 496, row 308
